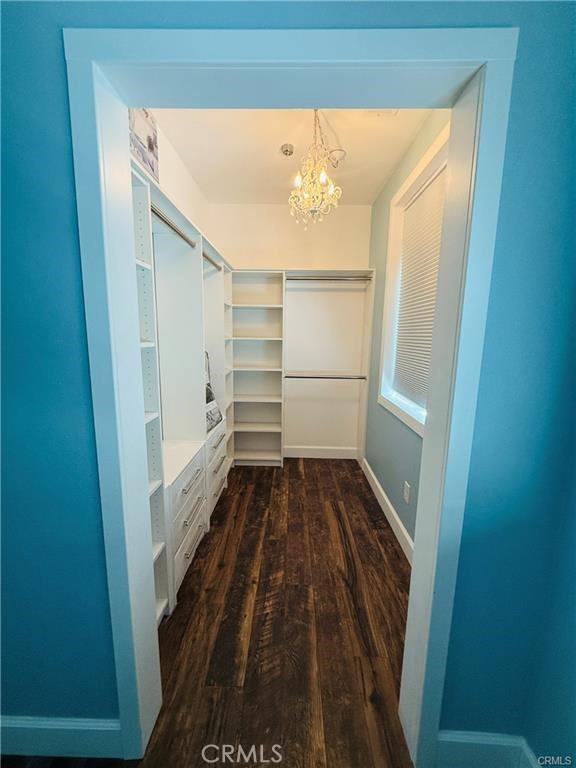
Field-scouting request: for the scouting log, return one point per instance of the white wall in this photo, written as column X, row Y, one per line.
column 181, row 187
column 266, row 235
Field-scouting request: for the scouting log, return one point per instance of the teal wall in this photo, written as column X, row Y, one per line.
column 551, row 717
column 56, row 635
column 393, row 450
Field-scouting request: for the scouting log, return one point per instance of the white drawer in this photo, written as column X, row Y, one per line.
column 215, row 466
column 216, row 485
column 187, row 549
column 185, row 518
column 215, row 441
column 185, row 482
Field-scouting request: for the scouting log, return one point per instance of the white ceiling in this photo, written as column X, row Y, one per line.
column 234, row 154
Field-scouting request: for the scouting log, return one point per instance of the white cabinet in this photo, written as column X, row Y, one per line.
column 327, row 337
column 185, row 470
column 257, row 360
column 196, row 474
column 217, row 465
column 196, row 529
column 184, row 291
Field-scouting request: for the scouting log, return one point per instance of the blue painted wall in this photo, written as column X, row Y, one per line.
column 56, row 632
column 393, row 450
column 550, row 722
column 505, row 628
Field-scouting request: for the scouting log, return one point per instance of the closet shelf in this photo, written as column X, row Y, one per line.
column 154, row 486
column 147, row 344
column 257, row 306
column 257, row 426
column 157, row 548
column 257, row 338
column 161, row 605
column 257, row 398
column 245, row 454
column 257, row 368
column 143, row 264
column 150, row 416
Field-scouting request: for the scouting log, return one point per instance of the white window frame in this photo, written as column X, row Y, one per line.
column 432, row 163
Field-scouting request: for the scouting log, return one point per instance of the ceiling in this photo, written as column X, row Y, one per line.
column 234, row 154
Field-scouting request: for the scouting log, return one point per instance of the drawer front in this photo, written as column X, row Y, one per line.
column 215, row 466
column 185, row 518
column 215, row 441
column 216, row 484
column 187, row 549
column 183, row 486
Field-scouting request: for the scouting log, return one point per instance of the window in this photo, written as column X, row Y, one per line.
column 410, row 293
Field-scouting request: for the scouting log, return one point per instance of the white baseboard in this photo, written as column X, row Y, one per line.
column 61, row 736
column 472, row 749
column 318, row 452
column 404, row 538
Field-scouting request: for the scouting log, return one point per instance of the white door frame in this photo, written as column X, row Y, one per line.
column 109, row 70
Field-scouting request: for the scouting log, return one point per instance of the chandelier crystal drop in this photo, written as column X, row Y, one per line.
column 314, row 194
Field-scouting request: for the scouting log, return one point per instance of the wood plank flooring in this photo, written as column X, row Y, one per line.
column 289, row 628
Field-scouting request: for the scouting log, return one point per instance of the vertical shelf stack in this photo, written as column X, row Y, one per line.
column 257, row 358
column 150, row 379
column 229, row 367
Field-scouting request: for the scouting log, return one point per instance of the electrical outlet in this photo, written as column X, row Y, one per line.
column 406, row 492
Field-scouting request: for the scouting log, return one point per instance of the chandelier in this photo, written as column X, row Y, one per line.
column 314, row 194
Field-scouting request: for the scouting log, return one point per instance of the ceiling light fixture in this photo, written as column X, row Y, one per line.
column 314, row 194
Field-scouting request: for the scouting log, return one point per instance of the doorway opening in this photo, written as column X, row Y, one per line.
column 381, row 69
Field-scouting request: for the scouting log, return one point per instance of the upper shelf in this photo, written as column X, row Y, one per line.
column 258, row 289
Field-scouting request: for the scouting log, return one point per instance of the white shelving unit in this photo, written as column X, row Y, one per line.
column 229, row 366
column 144, row 268
column 256, row 357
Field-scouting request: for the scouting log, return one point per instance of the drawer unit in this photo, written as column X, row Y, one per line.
column 185, row 483
column 217, row 474
column 216, row 465
column 215, row 442
column 184, row 519
column 187, row 548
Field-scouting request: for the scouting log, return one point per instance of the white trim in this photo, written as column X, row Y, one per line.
column 428, row 167
column 61, row 736
column 474, row 749
column 105, row 219
column 409, row 413
column 319, row 452
column 392, row 516
column 469, row 70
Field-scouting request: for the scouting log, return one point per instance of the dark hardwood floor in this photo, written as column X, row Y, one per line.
column 289, row 628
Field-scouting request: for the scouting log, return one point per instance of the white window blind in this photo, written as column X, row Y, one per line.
column 418, row 278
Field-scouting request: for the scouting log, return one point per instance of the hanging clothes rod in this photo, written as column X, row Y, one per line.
column 211, row 260
column 322, row 376
column 175, row 228
column 331, row 279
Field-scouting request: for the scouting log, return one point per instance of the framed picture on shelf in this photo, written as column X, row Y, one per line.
column 144, row 139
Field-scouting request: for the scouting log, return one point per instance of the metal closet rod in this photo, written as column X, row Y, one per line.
column 331, row 279
column 175, row 228
column 321, row 376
